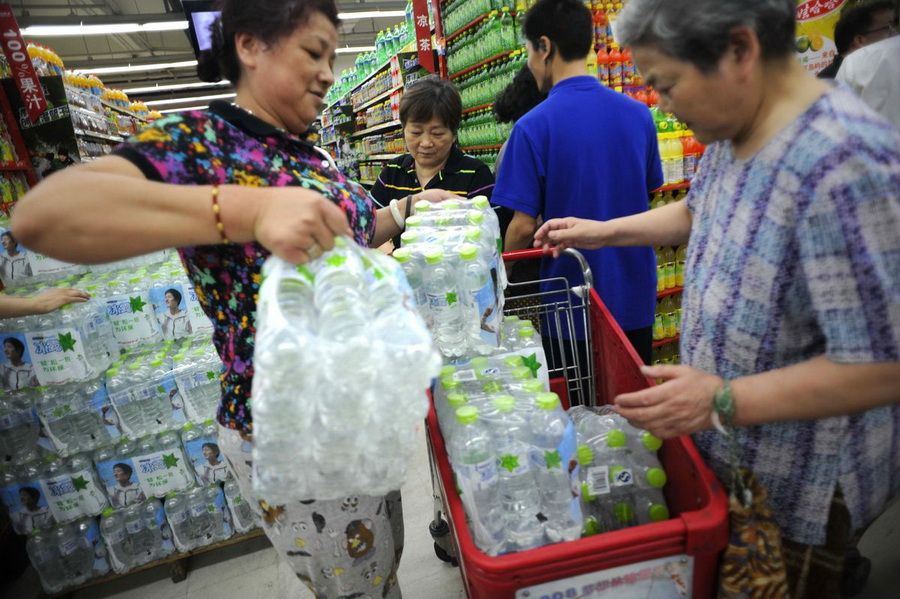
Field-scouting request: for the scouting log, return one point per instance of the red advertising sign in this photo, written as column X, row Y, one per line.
column 23, row 72
column 816, row 8
column 423, row 35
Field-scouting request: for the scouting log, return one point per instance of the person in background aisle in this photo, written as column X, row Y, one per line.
column 585, row 151
column 515, row 101
column 858, row 27
column 791, row 316
column 873, row 72
column 430, row 113
column 228, row 186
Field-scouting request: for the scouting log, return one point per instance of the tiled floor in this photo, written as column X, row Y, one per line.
column 251, row 570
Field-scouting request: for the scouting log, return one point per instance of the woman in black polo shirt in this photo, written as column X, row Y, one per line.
column 430, row 113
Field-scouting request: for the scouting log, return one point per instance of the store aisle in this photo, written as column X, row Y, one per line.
column 251, row 569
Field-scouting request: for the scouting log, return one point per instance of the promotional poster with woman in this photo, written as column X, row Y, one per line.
column 28, row 509
column 16, row 367
column 171, row 311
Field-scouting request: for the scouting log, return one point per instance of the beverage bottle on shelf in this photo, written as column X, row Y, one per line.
column 76, row 555
column 603, row 73
column 178, row 514
column 242, row 514
column 443, row 302
column 676, row 300
column 553, row 457
column 615, row 67
column 680, row 261
column 668, row 258
column 118, row 543
column 474, row 463
column 659, row 328
column 660, row 270
column 667, row 309
column 140, row 539
column 693, row 151
column 507, row 30
column 19, row 430
column 528, row 338
column 618, row 506
column 676, row 157
column 629, row 72
column 520, row 499
column 592, row 65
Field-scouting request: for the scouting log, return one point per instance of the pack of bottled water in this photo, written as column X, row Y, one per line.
column 77, row 417
column 342, row 362
column 136, row 535
column 201, row 444
column 153, row 466
column 451, row 257
column 70, row 345
column 243, row 517
column 622, row 480
column 19, row 427
column 197, row 373
column 20, row 266
column 513, row 452
column 68, row 555
column 198, row 517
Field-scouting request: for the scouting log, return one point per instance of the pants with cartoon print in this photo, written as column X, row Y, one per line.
column 341, row 549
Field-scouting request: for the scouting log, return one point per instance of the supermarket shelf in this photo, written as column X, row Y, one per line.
column 482, row 148
column 328, row 143
column 123, row 111
column 477, row 108
column 377, row 99
column 673, row 187
column 375, row 129
column 378, row 157
column 363, row 82
column 668, row 292
column 471, row 25
column 667, row 341
column 13, row 167
column 102, row 136
column 474, row 67
column 367, row 183
column 178, row 561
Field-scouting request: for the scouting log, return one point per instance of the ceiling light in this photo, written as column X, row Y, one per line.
column 201, row 107
column 108, row 29
column 150, row 89
column 371, row 14
column 135, row 68
column 192, row 99
column 355, row 50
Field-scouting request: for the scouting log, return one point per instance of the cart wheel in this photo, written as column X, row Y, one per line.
column 444, row 556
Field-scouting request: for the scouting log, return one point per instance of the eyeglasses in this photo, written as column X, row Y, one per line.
column 889, row 28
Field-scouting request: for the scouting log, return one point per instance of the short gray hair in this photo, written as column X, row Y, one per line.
column 697, row 31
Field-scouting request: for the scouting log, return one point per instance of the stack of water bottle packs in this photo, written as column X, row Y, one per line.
column 342, row 365
column 451, row 257
column 106, row 408
column 528, row 473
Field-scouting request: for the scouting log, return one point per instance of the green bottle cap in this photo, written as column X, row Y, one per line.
column 481, row 202
column 650, row 441
column 208, row 422
column 585, row 455
column 467, row 415
column 134, row 280
column 422, row 206
column 505, row 403
column 492, row 387
column 586, row 493
column 409, row 237
column 340, row 242
column 468, row 251
column 527, row 332
column 171, row 494
column 547, row 401
column 434, row 255
column 156, row 363
column 479, row 362
column 188, row 426
column 449, row 384
column 656, row 478
column 616, row 439
column 513, row 361
column 402, row 255
column 450, row 205
column 658, row 512
column 457, row 400
column 533, row 386
column 414, row 221
column 473, row 234
column 447, row 370
column 623, row 512
column 522, row 373
column 511, row 318
column 591, row 527
column 475, row 217
column 107, row 512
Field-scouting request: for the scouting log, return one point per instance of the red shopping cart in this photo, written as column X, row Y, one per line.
column 591, row 362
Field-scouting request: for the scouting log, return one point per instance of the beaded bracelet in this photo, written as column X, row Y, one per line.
column 217, row 214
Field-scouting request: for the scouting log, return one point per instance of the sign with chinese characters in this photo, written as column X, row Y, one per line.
column 423, row 35
column 816, row 20
column 23, row 72
column 664, row 578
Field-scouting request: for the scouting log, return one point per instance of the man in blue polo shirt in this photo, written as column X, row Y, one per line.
column 585, row 151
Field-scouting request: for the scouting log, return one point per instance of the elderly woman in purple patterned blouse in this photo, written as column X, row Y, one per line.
column 227, row 186
column 791, row 312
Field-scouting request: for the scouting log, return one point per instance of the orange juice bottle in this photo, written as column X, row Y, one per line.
column 603, row 66
column 615, row 67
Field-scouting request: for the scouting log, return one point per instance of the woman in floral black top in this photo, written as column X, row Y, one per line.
column 277, row 193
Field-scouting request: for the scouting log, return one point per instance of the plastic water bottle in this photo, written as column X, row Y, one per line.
column 242, row 514
column 475, row 466
column 76, row 555
column 197, row 376
column 519, row 496
column 620, row 503
column 141, row 539
column 443, row 302
column 19, row 429
column 479, row 301
column 339, row 294
column 112, row 529
column 412, row 268
column 202, row 523
column 46, row 560
column 553, row 438
column 178, row 513
column 215, row 507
